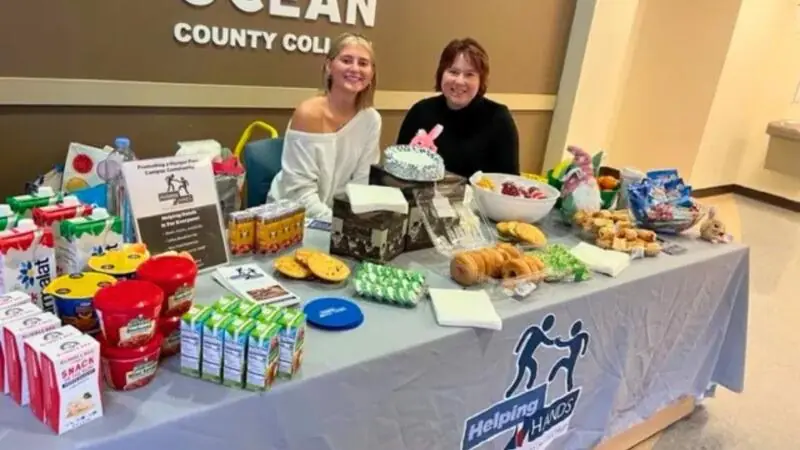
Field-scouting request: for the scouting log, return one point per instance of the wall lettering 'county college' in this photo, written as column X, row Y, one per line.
column 354, row 9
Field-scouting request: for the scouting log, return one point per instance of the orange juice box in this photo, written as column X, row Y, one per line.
column 28, row 262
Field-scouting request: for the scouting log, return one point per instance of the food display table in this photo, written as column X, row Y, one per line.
column 573, row 365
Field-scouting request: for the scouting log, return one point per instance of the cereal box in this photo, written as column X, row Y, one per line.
column 192, row 323
column 8, row 315
column 71, row 382
column 291, row 339
column 83, row 237
column 33, row 350
column 214, row 345
column 235, row 354
column 28, row 262
column 262, row 356
column 14, row 334
column 52, row 215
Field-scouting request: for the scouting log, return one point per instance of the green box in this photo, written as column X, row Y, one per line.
column 235, row 356
column 248, row 308
column 270, row 314
column 263, row 350
column 227, row 304
column 192, row 323
column 291, row 339
column 214, row 345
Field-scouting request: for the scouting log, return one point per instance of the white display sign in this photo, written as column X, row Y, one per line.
column 175, row 204
column 353, row 13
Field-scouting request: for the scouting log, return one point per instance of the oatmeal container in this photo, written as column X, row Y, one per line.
column 176, row 276
column 128, row 312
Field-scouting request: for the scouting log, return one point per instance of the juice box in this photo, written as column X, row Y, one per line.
column 270, row 313
column 83, row 237
column 242, row 232
column 247, row 308
column 227, row 304
column 23, row 205
column 51, row 217
column 263, row 350
column 214, row 345
column 9, row 315
column 14, row 334
column 192, row 323
column 28, row 262
column 237, row 334
column 8, row 218
column 291, row 339
column 71, row 382
column 33, row 350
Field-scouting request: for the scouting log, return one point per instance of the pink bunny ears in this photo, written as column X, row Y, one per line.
column 425, row 140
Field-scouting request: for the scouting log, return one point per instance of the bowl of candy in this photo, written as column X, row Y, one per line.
column 662, row 202
column 503, row 197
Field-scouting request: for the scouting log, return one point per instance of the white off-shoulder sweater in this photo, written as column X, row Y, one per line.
column 317, row 166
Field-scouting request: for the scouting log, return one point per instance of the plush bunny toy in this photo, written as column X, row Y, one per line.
column 713, row 230
column 425, row 140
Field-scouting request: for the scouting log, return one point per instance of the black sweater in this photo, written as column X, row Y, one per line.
column 481, row 136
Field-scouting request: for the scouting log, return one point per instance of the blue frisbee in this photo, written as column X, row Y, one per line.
column 333, row 313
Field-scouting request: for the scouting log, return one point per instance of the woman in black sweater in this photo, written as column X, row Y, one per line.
column 477, row 133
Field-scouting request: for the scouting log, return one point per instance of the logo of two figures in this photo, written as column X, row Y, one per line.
column 177, row 185
column 537, row 335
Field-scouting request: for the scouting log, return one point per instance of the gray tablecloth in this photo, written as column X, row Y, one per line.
column 667, row 327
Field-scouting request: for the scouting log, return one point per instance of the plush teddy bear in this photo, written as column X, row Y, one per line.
column 713, row 230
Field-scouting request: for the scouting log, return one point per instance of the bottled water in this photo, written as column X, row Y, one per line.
column 118, row 201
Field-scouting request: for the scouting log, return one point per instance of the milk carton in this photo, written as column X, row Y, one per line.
column 8, row 218
column 28, row 262
column 14, row 334
column 237, row 334
column 84, row 237
column 192, row 323
column 14, row 298
column 262, row 356
column 71, row 382
column 214, row 345
column 8, row 315
column 291, row 339
column 51, row 217
column 23, row 205
column 33, row 350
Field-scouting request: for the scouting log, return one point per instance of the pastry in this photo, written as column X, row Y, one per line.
column 510, row 250
column 480, row 263
column 328, row 268
column 652, row 249
column 646, row 235
column 496, row 258
column 516, row 268
column 530, row 234
column 630, row 234
column 502, row 228
column 464, row 270
column 288, row 266
column 303, row 254
column 413, row 163
column 604, row 243
column 534, row 262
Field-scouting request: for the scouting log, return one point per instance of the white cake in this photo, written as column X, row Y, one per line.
column 413, row 163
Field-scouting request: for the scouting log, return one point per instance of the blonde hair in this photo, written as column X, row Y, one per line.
column 365, row 98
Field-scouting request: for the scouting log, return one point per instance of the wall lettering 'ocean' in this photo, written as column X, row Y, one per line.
column 353, row 13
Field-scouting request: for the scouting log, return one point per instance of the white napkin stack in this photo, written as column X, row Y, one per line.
column 459, row 308
column 608, row 262
column 368, row 198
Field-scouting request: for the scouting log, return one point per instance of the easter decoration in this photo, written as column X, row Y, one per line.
column 713, row 230
column 580, row 191
column 426, row 140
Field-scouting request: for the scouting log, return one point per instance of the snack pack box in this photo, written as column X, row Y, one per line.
column 28, row 262
column 33, row 370
column 51, row 217
column 192, row 323
column 242, row 232
column 291, row 339
column 14, row 334
column 8, row 218
column 214, row 346
column 71, row 382
column 83, row 237
column 237, row 334
column 227, row 304
column 14, row 298
column 279, row 225
column 23, row 205
column 8, row 315
column 263, row 350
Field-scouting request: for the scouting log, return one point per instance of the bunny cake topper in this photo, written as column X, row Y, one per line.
column 713, row 230
column 425, row 139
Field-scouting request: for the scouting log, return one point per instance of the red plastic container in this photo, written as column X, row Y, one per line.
column 176, row 275
column 128, row 311
column 126, row 369
column 170, row 328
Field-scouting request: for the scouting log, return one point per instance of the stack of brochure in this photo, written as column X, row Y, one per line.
column 250, row 282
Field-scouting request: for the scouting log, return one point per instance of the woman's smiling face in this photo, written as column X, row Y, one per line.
column 460, row 82
column 352, row 70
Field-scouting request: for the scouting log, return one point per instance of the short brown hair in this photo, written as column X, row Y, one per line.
column 473, row 52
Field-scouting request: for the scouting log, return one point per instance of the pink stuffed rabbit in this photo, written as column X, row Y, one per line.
column 425, row 140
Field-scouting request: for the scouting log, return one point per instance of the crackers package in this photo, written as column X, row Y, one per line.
column 71, row 382
column 14, row 335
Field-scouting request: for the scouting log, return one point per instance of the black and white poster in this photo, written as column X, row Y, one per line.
column 175, row 204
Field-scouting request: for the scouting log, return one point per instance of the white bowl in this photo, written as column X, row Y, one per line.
column 505, row 208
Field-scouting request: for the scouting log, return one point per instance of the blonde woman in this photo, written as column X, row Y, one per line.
column 332, row 139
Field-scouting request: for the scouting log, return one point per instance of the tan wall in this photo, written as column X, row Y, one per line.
column 40, row 114
column 674, row 70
